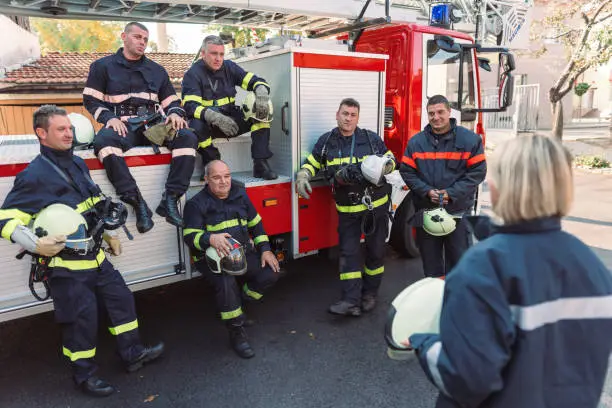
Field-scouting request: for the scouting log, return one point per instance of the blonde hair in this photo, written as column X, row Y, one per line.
column 533, row 177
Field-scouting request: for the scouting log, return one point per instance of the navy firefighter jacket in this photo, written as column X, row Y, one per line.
column 206, row 214
column 203, row 88
column 39, row 185
column 333, row 151
column 117, row 87
column 526, row 323
column 454, row 162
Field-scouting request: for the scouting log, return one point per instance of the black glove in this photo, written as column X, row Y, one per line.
column 349, row 175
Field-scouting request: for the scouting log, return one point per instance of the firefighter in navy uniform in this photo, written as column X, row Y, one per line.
column 125, row 85
column 76, row 280
column 448, row 161
column 362, row 203
column 219, row 213
column 209, row 90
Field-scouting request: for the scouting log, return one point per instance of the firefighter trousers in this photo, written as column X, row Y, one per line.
column 355, row 281
column 260, row 136
column 228, row 292
column 109, row 147
column 75, row 295
column 441, row 254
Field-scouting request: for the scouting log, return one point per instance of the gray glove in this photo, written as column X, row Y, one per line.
column 226, row 124
column 261, row 102
column 302, row 183
column 45, row 246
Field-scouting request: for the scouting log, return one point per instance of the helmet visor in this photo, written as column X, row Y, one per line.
column 78, row 242
column 235, row 262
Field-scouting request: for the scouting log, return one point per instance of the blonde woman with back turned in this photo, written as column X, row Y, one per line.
column 527, row 314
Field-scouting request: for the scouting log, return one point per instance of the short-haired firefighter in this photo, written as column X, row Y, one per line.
column 355, row 161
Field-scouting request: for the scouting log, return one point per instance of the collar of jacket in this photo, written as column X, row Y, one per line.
column 543, row 224
column 62, row 158
column 358, row 133
column 207, row 69
column 124, row 61
column 449, row 134
column 234, row 192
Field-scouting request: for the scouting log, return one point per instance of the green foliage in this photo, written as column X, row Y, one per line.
column 77, row 35
column 592, row 162
column 581, row 88
column 243, row 36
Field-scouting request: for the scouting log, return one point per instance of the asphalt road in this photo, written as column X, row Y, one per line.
column 305, row 357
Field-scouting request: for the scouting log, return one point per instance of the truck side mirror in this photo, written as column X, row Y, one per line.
column 506, row 62
column 484, row 63
column 506, row 90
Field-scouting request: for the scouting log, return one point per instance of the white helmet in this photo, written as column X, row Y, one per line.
column 233, row 264
column 374, row 169
column 59, row 219
column 415, row 310
column 248, row 108
column 438, row 222
column 82, row 129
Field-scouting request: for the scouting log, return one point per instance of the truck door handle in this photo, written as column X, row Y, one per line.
column 284, row 119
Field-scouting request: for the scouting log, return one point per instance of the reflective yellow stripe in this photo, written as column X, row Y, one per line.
column 205, row 144
column 196, row 240
column 218, row 102
column 125, row 327
column 9, row 228
column 88, row 204
column 350, row 275
column 361, row 207
column 232, row 314
column 57, row 262
column 188, row 231
column 260, row 83
column 373, row 272
column 342, row 160
column 246, row 80
column 309, row 168
column 25, row 218
column 196, row 258
column 192, row 98
column 311, row 159
column 198, row 112
column 252, row 293
column 225, row 224
column 261, row 238
column 254, row 221
column 77, row 355
column 260, row 125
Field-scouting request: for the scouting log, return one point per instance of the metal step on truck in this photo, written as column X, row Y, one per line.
column 391, row 70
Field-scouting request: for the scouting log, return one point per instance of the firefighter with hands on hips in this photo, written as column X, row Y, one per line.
column 122, row 88
column 220, row 223
column 57, row 192
column 355, row 161
column 209, row 91
column 526, row 319
column 443, row 166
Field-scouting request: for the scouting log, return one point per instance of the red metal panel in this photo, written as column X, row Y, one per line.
column 305, row 60
column 318, row 220
column 276, row 218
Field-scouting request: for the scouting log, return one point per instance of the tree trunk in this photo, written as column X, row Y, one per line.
column 557, row 120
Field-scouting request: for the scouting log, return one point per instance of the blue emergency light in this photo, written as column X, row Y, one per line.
column 443, row 15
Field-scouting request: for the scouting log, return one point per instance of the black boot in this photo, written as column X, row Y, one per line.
column 239, row 342
column 261, row 169
column 168, row 208
column 144, row 222
column 96, row 387
column 148, row 354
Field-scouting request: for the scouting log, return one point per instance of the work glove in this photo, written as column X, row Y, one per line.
column 262, row 98
column 302, row 183
column 226, row 124
column 50, row 246
column 113, row 242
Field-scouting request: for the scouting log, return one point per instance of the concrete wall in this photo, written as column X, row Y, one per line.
column 21, row 47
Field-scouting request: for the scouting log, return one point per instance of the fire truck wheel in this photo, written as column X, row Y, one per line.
column 403, row 237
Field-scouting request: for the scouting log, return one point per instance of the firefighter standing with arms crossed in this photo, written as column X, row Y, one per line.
column 125, row 85
column 445, row 162
column 355, row 161
column 77, row 278
column 209, row 91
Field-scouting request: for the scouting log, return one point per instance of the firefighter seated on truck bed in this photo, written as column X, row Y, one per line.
column 126, row 85
column 218, row 220
column 355, row 161
column 56, row 190
column 209, row 91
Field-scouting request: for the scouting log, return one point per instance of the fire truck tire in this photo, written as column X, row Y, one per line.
column 403, row 238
